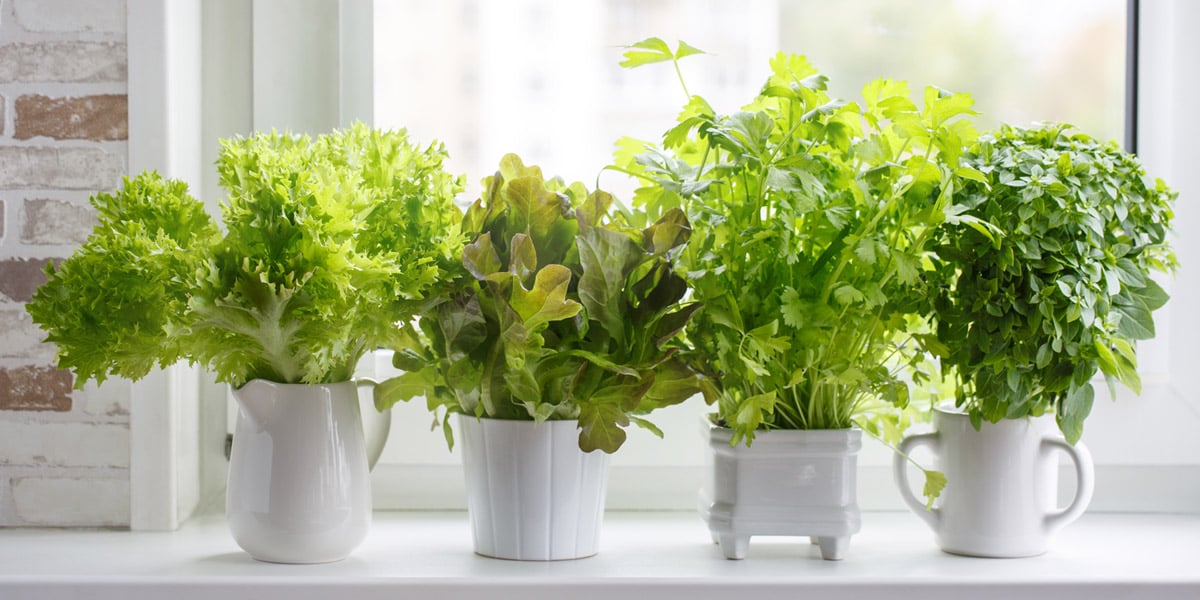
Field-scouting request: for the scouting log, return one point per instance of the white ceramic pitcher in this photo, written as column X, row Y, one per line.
column 299, row 488
column 1001, row 484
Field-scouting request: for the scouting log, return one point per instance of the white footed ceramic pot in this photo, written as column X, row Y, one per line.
column 299, row 490
column 532, row 494
column 795, row 483
column 1001, row 484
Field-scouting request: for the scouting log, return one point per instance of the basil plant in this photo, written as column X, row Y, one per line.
column 1047, row 276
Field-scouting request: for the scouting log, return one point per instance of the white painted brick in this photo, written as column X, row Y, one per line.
column 71, row 502
column 59, row 168
column 111, row 399
column 21, row 338
column 46, row 221
column 64, row 444
column 71, row 15
column 63, row 62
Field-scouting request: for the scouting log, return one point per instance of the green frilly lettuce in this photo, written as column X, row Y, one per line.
column 328, row 244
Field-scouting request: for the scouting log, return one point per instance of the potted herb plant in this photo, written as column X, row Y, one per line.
column 1049, row 285
column 327, row 244
column 811, row 220
column 558, row 334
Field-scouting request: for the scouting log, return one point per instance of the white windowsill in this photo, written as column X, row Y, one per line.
column 663, row 555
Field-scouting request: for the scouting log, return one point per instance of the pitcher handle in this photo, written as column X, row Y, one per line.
column 931, row 516
column 375, row 435
column 1084, row 474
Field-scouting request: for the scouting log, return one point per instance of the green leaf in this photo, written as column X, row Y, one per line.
column 647, row 425
column 658, row 291
column 606, row 257
column 1127, row 374
column 547, row 301
column 601, row 427
column 462, row 325
column 686, row 49
column 935, row 483
column 865, row 251
column 793, row 307
column 594, row 207
column 669, row 232
column 971, row 174
column 944, row 106
column 1108, row 362
column 648, row 51
column 752, row 411
column 603, row 363
column 672, row 323
column 1076, row 405
column 522, row 260
column 536, row 210
column 404, row 387
column 848, row 294
column 1136, row 321
column 674, row 382
column 525, row 389
column 480, row 257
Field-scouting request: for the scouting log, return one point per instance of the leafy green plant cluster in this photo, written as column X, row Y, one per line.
column 110, row 306
column 1057, row 284
column 328, row 243
column 561, row 311
column 813, row 218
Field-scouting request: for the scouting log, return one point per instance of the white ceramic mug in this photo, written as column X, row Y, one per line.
column 1002, row 484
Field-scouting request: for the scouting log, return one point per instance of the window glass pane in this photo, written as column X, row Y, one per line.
column 540, row 77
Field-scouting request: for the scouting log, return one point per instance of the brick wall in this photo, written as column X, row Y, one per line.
column 64, row 454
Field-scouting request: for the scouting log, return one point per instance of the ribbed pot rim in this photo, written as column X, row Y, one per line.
column 464, row 418
column 792, row 436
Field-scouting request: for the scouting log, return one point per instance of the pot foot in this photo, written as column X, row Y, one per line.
column 734, row 546
column 833, row 548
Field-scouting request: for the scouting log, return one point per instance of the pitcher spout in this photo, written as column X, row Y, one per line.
column 257, row 400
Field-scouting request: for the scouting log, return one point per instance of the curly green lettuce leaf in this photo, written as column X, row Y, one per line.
column 112, row 307
column 330, row 244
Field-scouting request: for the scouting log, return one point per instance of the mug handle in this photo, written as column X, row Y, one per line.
column 1084, row 474
column 931, row 516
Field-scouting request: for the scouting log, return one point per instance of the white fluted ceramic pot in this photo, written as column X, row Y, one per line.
column 787, row 482
column 1001, row 484
column 299, row 490
column 532, row 494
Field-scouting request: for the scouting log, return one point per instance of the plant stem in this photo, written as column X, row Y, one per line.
column 679, row 74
